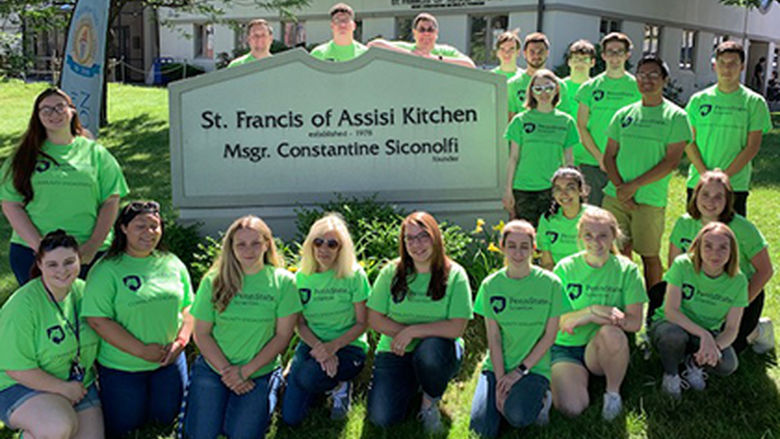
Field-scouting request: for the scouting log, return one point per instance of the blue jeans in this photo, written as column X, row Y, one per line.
column 22, row 259
column 132, row 399
column 432, row 364
column 307, row 379
column 521, row 408
column 213, row 409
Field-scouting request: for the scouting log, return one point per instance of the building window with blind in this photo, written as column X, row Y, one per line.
column 204, row 41
column 608, row 25
column 294, row 33
column 485, row 30
column 688, row 50
column 652, row 39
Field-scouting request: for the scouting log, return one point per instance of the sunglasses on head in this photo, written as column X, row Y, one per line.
column 144, row 206
column 331, row 243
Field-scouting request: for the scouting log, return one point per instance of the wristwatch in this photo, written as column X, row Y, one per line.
column 523, row 370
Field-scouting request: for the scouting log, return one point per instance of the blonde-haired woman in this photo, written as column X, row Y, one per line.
column 521, row 304
column 333, row 289
column 245, row 311
column 541, row 138
column 705, row 297
column 603, row 297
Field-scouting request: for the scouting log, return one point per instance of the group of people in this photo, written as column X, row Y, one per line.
column 102, row 301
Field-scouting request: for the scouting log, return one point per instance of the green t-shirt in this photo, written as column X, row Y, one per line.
column 331, row 51
column 328, row 303
column 145, row 296
column 542, row 138
column 603, row 96
column 706, row 301
column 33, row 334
column 722, row 122
column 558, row 234
column 241, row 60
column 616, row 283
column 572, row 107
column 517, row 87
column 416, row 307
column 442, row 50
column 521, row 307
column 249, row 321
column 508, row 75
column 68, row 194
column 644, row 134
column 749, row 239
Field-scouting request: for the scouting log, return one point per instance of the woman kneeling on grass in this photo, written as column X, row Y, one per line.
column 603, row 300
column 420, row 303
column 137, row 299
column 245, row 312
column 47, row 382
column 333, row 289
column 521, row 304
column 705, row 297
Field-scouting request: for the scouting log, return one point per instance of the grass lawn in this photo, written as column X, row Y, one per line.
column 746, row 405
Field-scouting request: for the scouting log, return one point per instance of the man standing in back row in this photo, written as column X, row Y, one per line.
column 536, row 49
column 259, row 37
column 343, row 46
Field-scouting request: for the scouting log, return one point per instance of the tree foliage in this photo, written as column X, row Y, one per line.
column 750, row 4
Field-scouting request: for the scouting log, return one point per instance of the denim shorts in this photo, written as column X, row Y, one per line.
column 568, row 354
column 13, row 397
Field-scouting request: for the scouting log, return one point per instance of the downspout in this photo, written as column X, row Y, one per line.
column 539, row 15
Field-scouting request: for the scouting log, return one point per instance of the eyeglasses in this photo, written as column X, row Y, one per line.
column 331, row 243
column 344, row 19
column 619, row 52
column 47, row 110
column 144, row 206
column 653, row 76
column 429, row 29
column 539, row 89
column 422, row 238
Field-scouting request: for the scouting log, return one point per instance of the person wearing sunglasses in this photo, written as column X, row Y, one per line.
column 47, row 382
column 425, row 29
column 420, row 304
column 536, row 49
column 597, row 100
column 645, row 142
column 58, row 178
column 343, row 46
column 332, row 350
column 541, row 141
column 137, row 299
column 245, row 312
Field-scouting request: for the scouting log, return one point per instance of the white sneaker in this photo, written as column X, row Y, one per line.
column 613, row 404
column 544, row 415
column 673, row 385
column 694, row 375
column 341, row 401
column 765, row 341
column 431, row 418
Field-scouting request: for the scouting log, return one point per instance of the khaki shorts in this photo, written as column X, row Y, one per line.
column 641, row 227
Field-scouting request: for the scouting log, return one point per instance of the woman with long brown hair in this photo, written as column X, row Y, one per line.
column 420, row 304
column 58, row 178
column 245, row 311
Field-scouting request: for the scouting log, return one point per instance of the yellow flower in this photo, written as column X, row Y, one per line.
column 362, row 264
column 492, row 248
column 480, row 222
column 498, row 227
column 292, row 268
column 477, row 230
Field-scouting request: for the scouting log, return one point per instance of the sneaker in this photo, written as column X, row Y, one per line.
column 544, row 415
column 431, row 418
column 765, row 341
column 694, row 375
column 613, row 404
column 341, row 400
column 673, row 385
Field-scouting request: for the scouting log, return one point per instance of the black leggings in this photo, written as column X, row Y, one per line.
column 749, row 317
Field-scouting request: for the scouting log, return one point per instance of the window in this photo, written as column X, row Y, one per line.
column 485, row 30
column 651, row 39
column 687, row 49
column 403, row 28
column 715, row 42
column 609, row 25
column 204, row 40
column 294, row 33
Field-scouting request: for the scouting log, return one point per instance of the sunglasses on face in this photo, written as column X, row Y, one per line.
column 331, row 243
column 539, row 89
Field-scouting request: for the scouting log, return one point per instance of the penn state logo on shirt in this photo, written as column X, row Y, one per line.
column 685, row 243
column 552, row 235
column 498, row 303
column 529, row 127
column 574, row 291
column 398, row 299
column 42, row 165
column 132, row 282
column 687, row 291
column 521, row 95
column 305, row 295
column 705, row 109
column 56, row 334
column 598, row 95
column 627, row 120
